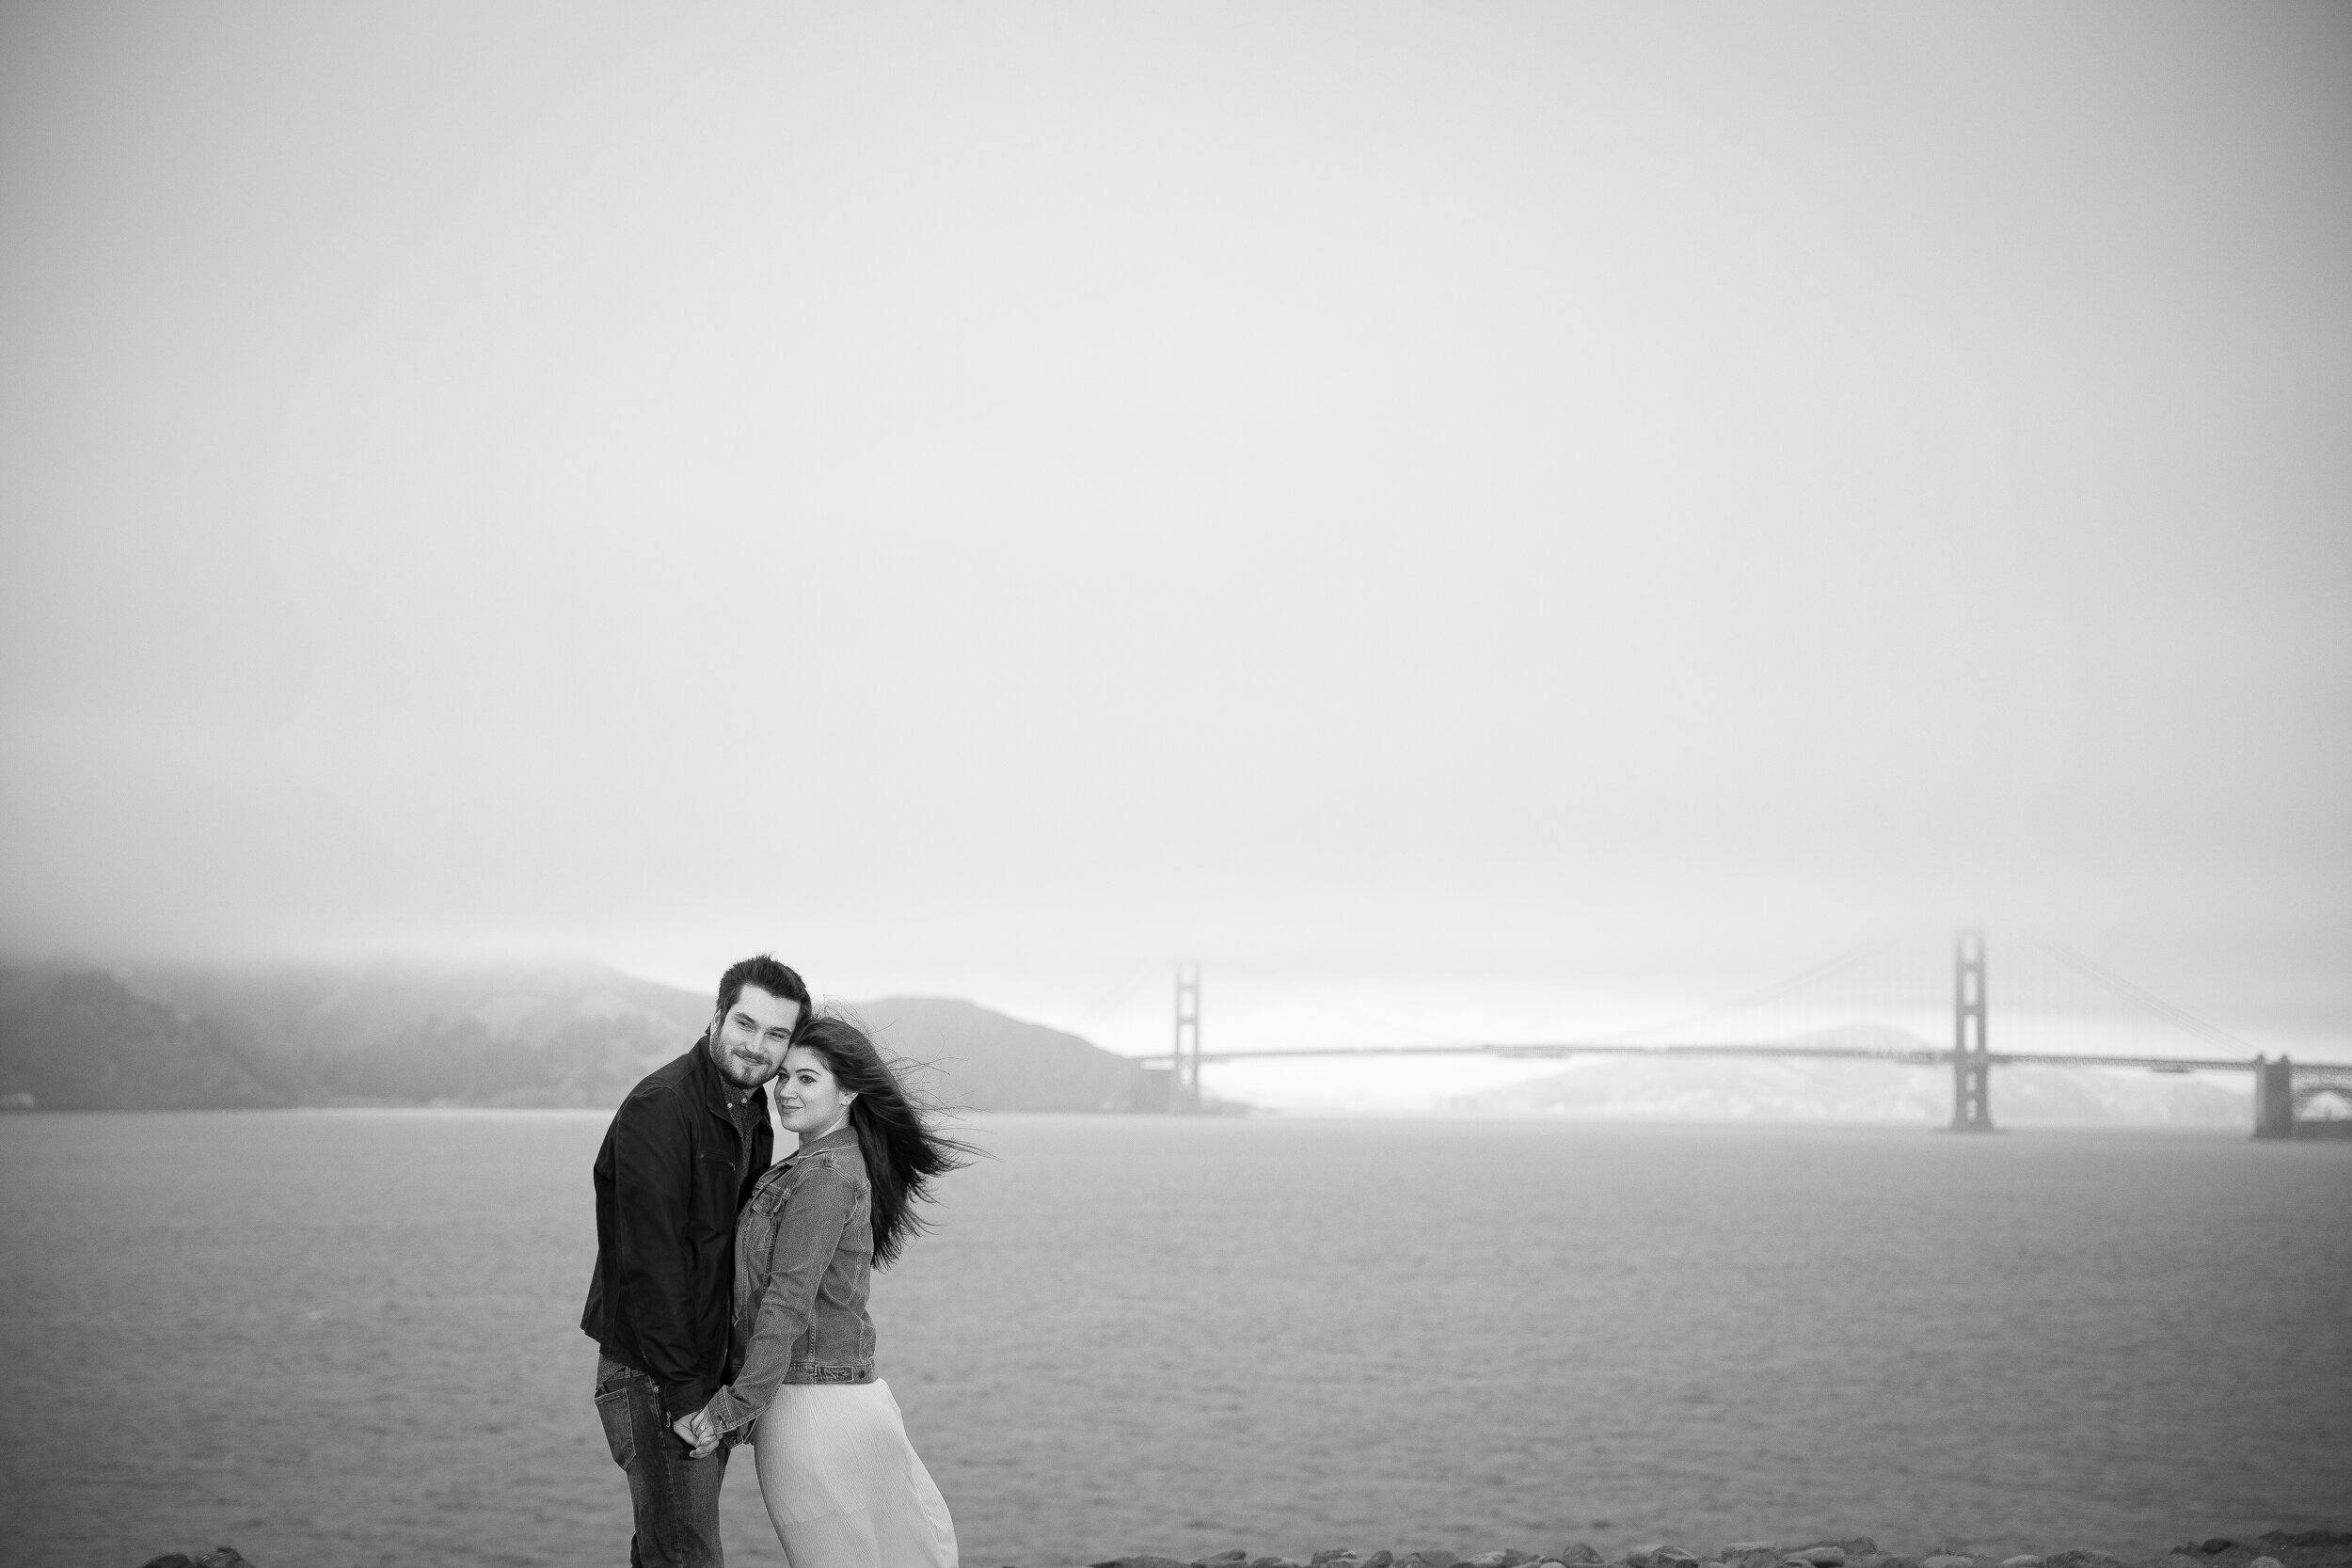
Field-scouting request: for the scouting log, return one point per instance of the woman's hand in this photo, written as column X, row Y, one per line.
column 698, row 1431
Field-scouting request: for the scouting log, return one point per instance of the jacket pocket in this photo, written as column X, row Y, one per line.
column 620, row 1433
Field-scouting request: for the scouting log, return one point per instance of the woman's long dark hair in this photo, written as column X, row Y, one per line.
column 902, row 1149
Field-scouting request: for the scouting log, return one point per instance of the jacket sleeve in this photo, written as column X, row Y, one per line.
column 653, row 1172
column 808, row 1231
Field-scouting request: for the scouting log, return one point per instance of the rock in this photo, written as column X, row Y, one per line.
column 2022, row 1560
column 171, row 1560
column 1754, row 1557
column 1637, row 1558
column 1334, row 1555
column 1231, row 1558
column 1379, row 1559
column 2307, row 1538
column 1272, row 1562
column 1493, row 1560
column 2266, row 1563
column 1821, row 1557
column 219, row 1557
column 1436, row 1557
column 1142, row 1561
column 1947, row 1560
column 1899, row 1561
column 2214, row 1543
column 1578, row 1555
column 1672, row 1556
column 2078, row 1557
column 1742, row 1549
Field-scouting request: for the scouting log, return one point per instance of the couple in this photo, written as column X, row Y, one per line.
column 729, row 1296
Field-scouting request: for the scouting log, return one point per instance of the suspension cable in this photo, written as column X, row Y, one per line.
column 2146, row 1001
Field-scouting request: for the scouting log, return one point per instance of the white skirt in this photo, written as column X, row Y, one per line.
column 842, row 1484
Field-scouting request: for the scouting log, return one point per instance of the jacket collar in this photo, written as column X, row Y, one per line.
column 843, row 1137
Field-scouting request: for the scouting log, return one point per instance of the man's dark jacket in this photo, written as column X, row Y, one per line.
column 670, row 1178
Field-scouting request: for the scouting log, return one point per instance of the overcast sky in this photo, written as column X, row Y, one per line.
column 1499, row 516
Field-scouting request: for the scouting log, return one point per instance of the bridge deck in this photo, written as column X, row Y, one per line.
column 1925, row 1057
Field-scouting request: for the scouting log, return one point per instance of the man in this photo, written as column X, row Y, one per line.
column 676, row 1164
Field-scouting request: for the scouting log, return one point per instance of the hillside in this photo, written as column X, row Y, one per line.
column 984, row 1061
column 553, row 1034
column 570, row 1034
column 83, row 1039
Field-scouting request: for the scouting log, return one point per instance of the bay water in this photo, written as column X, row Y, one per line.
column 350, row 1338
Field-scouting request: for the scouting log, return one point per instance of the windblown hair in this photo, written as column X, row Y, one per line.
column 762, row 969
column 902, row 1151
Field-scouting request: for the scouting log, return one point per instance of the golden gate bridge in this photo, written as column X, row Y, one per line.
column 2285, row 1091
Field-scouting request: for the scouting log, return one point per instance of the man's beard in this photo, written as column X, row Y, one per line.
column 730, row 1064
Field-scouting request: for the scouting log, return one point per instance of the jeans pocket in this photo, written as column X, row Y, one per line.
column 620, row 1433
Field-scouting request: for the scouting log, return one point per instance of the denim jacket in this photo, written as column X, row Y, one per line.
column 803, row 1260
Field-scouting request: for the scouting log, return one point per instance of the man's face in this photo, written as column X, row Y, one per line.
column 747, row 1040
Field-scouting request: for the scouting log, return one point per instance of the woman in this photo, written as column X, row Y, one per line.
column 842, row 1484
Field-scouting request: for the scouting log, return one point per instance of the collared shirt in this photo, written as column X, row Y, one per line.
column 748, row 1110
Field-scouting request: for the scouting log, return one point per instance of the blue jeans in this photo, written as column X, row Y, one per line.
column 675, row 1498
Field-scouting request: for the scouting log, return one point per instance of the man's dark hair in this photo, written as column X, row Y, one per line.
column 776, row 979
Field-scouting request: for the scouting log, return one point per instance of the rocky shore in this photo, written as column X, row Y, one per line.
column 2317, row 1549
column 2313, row 1548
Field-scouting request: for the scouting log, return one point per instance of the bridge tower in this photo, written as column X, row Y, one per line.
column 1972, row 1061
column 1184, row 1086
column 2274, row 1096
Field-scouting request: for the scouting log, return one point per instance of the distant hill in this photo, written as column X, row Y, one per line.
column 1805, row 1089
column 565, row 1034
column 985, row 1061
column 551, row 1033
column 85, row 1040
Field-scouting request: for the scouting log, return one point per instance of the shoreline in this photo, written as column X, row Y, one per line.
column 2276, row 1548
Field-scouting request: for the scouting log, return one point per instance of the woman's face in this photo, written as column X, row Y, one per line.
column 808, row 1100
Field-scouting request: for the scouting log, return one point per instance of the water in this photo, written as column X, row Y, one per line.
column 349, row 1338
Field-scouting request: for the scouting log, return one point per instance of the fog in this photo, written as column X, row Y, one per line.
column 1501, row 518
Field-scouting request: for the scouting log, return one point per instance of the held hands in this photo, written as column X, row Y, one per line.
column 699, row 1433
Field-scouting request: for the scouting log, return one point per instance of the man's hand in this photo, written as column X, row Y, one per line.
column 699, row 1433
